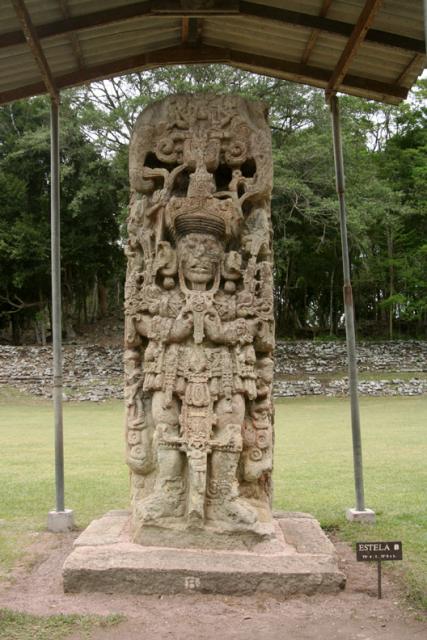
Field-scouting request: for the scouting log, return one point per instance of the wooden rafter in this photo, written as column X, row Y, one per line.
column 195, row 28
column 185, row 24
column 315, row 76
column 34, row 44
column 309, row 21
column 187, row 54
column 315, row 33
column 74, row 40
column 360, row 30
column 197, row 8
column 415, row 62
column 247, row 9
column 191, row 31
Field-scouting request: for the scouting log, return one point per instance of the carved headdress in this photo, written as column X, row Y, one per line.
column 200, row 211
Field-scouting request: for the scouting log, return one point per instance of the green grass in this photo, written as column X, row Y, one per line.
column 314, row 472
column 391, row 375
column 313, row 469
column 22, row 626
column 96, row 477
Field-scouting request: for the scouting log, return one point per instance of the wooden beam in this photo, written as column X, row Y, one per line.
column 309, row 21
column 184, row 29
column 187, row 54
column 74, row 41
column 360, row 30
column 194, row 7
column 416, row 61
column 317, row 76
column 195, row 31
column 79, row 23
column 247, row 9
column 191, row 31
column 314, row 35
column 34, row 44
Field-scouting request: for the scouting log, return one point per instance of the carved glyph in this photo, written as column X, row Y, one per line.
column 199, row 319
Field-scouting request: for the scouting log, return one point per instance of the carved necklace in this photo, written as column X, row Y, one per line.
column 199, row 302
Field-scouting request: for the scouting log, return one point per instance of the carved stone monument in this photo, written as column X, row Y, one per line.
column 199, row 322
column 199, row 366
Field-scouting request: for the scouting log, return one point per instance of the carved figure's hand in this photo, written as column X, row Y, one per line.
column 213, row 328
column 254, row 326
column 142, row 324
column 182, row 327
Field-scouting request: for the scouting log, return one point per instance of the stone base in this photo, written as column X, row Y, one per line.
column 300, row 560
column 367, row 516
column 60, row 521
column 213, row 535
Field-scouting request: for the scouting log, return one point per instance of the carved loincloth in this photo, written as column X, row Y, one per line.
column 228, row 371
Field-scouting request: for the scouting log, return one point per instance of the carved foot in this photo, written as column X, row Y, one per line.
column 195, row 519
column 234, row 511
column 157, row 506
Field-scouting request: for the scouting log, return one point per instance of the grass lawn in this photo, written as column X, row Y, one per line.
column 314, row 472
column 22, row 626
column 313, row 469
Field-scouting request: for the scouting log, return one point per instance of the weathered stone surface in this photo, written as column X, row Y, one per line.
column 305, row 535
column 276, row 567
column 199, row 325
column 105, row 530
column 208, row 537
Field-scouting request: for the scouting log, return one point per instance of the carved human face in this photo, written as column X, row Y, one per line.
column 199, row 257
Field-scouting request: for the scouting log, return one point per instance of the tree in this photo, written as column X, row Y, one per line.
column 90, row 249
column 385, row 163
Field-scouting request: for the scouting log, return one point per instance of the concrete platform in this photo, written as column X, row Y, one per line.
column 367, row 516
column 300, row 560
column 60, row 521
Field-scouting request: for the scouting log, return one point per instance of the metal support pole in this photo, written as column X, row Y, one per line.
column 425, row 22
column 61, row 519
column 380, row 593
column 56, row 304
column 348, row 307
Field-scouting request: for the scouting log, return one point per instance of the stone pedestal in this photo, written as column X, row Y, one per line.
column 300, row 559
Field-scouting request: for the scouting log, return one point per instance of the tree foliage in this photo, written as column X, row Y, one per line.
column 89, row 228
column 386, row 170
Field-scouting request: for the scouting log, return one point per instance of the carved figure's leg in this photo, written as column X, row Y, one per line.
column 197, row 467
column 223, row 499
column 168, row 497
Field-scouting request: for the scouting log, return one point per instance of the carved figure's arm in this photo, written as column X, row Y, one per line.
column 143, row 323
column 232, row 332
column 181, row 327
column 165, row 329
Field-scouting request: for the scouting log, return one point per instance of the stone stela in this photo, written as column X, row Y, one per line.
column 199, row 339
column 199, row 328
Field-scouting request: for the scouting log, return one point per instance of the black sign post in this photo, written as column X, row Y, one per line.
column 378, row 551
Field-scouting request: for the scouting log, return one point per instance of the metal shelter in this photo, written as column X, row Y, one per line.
column 369, row 48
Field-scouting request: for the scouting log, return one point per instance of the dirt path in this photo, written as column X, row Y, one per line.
column 355, row 614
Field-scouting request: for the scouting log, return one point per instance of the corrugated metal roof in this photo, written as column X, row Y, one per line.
column 84, row 40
